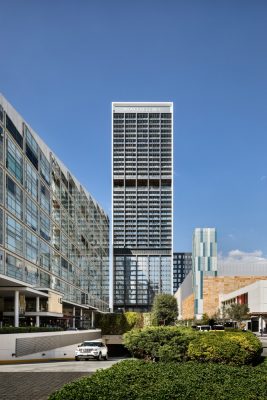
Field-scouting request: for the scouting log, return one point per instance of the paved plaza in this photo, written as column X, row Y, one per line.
column 37, row 380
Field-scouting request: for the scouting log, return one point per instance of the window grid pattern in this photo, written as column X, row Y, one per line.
column 139, row 278
column 142, row 205
column 58, row 234
column 182, row 265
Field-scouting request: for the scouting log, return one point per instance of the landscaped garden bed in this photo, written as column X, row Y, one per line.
column 141, row 380
column 169, row 343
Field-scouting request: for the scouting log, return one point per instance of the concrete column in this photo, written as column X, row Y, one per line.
column 81, row 317
column 37, row 310
column 260, row 324
column 92, row 319
column 73, row 317
column 16, row 309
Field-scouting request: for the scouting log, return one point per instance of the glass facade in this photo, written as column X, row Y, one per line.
column 182, row 265
column 142, row 203
column 53, row 234
column 204, row 262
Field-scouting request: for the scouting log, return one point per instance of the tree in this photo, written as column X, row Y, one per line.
column 238, row 312
column 205, row 319
column 164, row 309
column 223, row 314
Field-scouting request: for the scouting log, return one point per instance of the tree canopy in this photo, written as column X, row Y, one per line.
column 164, row 309
column 238, row 312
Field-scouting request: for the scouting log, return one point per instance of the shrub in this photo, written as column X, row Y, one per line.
column 27, row 329
column 161, row 342
column 235, row 348
column 147, row 319
column 168, row 343
column 139, row 380
column 134, row 319
column 117, row 324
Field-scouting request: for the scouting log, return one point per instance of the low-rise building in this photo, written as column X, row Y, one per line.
column 255, row 297
column 232, row 280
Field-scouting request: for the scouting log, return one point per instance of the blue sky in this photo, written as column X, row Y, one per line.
column 63, row 62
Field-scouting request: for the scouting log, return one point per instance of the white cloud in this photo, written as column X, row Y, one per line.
column 242, row 256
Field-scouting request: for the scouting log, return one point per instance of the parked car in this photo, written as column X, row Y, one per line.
column 217, row 327
column 203, row 328
column 91, row 349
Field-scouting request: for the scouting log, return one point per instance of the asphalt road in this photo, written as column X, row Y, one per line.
column 37, row 380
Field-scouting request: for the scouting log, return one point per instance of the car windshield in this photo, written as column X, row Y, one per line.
column 96, row 344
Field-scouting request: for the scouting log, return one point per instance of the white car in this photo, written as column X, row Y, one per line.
column 91, row 349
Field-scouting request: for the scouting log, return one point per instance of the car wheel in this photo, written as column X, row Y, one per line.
column 99, row 357
column 77, row 358
column 106, row 358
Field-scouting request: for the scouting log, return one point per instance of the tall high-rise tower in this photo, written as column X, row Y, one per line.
column 142, row 202
column 204, row 262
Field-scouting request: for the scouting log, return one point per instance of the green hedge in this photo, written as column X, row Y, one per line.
column 117, row 324
column 140, row 380
column 168, row 343
column 235, row 348
column 27, row 329
column 159, row 342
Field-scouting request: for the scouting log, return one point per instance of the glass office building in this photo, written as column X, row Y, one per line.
column 54, row 237
column 142, row 197
column 182, row 265
column 204, row 262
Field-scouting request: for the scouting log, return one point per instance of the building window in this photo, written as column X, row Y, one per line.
column 1, row 226
column 55, row 283
column 56, row 264
column 14, row 235
column 64, row 197
column 2, row 267
column 45, row 199
column 14, row 267
column 1, row 114
column 14, row 132
column 31, row 247
column 64, row 245
column 45, row 255
column 45, row 227
column 14, row 198
column 14, row 161
column 1, row 186
column 31, row 147
column 31, row 275
column 44, row 279
column 31, row 214
column 1, row 144
column 64, row 268
column 31, row 181
column 44, row 168
column 56, row 237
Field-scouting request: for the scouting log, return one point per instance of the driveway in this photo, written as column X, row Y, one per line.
column 37, row 380
column 263, row 340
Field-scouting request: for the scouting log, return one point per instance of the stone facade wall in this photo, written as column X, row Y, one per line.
column 55, row 303
column 188, row 307
column 214, row 286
